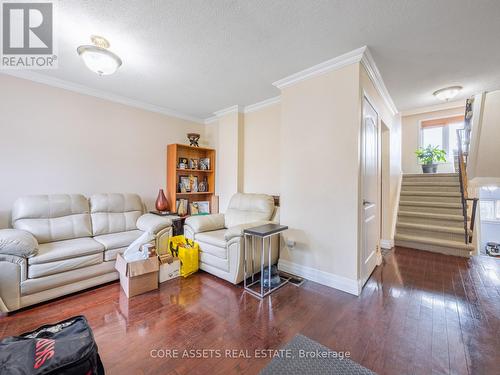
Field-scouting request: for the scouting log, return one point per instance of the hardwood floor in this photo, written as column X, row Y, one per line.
column 420, row 313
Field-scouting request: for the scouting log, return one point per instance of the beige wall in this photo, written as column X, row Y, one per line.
column 226, row 133
column 261, row 151
column 320, row 120
column 411, row 138
column 57, row 141
column 487, row 160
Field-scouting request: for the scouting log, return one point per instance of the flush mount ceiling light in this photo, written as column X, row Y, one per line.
column 447, row 93
column 98, row 58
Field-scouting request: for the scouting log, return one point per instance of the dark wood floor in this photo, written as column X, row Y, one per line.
column 420, row 313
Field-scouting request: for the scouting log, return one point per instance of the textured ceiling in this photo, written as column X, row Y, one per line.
column 199, row 56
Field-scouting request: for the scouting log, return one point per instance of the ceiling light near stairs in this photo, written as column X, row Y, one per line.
column 447, row 93
column 98, row 58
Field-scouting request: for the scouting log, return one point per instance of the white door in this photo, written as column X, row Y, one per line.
column 370, row 191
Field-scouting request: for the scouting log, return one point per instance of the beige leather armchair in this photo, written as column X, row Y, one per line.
column 64, row 243
column 221, row 239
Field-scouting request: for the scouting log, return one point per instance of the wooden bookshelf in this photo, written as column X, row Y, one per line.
column 174, row 153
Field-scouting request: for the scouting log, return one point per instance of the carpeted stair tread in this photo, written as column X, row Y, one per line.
column 432, row 193
column 431, row 228
column 430, row 204
column 435, row 242
column 432, row 175
column 431, row 215
column 437, row 183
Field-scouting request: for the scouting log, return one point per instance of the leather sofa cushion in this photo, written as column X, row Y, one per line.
column 31, row 286
column 53, row 217
column 112, row 213
column 215, row 237
column 60, row 250
column 214, row 261
column 110, row 255
column 117, row 240
column 248, row 208
column 52, row 268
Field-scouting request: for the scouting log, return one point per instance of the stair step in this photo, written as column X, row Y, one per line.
column 427, row 183
column 432, row 196
column 438, row 244
column 432, row 193
column 431, row 215
column 432, row 228
column 431, row 204
column 430, row 175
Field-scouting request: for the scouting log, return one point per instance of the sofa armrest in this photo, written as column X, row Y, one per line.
column 18, row 242
column 153, row 223
column 205, row 223
column 237, row 230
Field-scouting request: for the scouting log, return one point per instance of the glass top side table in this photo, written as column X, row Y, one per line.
column 256, row 286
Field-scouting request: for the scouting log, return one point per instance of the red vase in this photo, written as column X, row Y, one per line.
column 161, row 202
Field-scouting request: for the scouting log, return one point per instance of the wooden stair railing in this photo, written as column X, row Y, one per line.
column 463, row 153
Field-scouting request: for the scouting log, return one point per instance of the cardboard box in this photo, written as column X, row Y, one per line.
column 138, row 277
column 169, row 271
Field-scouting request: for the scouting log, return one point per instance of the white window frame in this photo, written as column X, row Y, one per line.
column 445, row 130
column 496, row 211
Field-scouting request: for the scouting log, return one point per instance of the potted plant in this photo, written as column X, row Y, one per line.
column 429, row 157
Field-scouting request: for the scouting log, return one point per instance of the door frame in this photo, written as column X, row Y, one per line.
column 362, row 279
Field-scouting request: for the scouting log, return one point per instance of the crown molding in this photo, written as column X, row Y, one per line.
column 322, row 68
column 210, row 120
column 81, row 89
column 434, row 108
column 360, row 55
column 228, row 110
column 371, row 68
column 258, row 106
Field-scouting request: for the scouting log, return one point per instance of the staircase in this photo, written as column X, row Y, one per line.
column 431, row 214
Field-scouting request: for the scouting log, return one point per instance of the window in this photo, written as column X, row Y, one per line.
column 442, row 133
column 490, row 209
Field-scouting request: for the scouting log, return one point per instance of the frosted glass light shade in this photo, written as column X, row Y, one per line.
column 447, row 93
column 99, row 60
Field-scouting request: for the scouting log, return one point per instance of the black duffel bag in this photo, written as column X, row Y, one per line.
column 67, row 347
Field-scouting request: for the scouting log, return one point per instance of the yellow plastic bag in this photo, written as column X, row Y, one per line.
column 188, row 253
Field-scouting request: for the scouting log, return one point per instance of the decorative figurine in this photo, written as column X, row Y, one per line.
column 193, row 139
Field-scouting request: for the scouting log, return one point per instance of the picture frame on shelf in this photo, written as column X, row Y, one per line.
column 193, row 163
column 184, row 184
column 183, row 163
column 193, row 208
column 203, row 207
column 205, row 164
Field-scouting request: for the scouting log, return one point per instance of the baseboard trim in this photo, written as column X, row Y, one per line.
column 321, row 277
column 386, row 244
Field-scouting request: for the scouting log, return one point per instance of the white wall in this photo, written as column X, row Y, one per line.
column 391, row 182
column 490, row 230
column 261, row 151
column 57, row 141
column 411, row 138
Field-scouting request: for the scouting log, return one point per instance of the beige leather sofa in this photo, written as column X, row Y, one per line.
column 220, row 236
column 64, row 243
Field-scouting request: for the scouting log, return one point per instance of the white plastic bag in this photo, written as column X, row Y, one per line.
column 135, row 250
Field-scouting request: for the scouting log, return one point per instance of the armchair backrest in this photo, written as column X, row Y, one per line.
column 248, row 208
column 54, row 217
column 111, row 213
